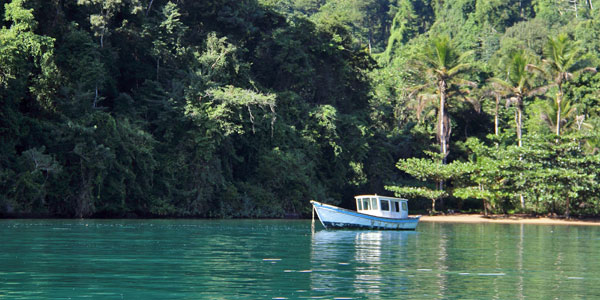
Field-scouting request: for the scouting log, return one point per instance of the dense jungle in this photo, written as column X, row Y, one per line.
column 249, row 109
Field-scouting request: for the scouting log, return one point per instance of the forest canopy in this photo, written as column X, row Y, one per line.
column 222, row 108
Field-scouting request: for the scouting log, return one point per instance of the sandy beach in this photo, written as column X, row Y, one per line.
column 476, row 218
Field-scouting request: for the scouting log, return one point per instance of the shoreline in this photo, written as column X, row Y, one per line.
column 502, row 219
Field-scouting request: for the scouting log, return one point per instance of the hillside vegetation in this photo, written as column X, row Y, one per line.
column 228, row 108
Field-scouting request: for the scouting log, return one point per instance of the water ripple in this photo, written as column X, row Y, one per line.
column 275, row 259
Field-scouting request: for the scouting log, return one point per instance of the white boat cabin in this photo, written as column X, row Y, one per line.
column 380, row 206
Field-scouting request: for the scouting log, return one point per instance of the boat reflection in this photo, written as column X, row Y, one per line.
column 368, row 254
column 355, row 261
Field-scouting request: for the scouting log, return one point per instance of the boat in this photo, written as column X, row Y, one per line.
column 372, row 212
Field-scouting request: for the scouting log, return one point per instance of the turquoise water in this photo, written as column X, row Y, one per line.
column 278, row 259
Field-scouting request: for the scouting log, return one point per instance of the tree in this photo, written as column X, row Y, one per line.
column 489, row 174
column 443, row 68
column 563, row 59
column 102, row 13
column 569, row 115
column 21, row 49
column 170, row 33
column 413, row 192
column 429, row 170
column 518, row 85
column 490, row 91
column 408, row 23
column 26, row 76
column 368, row 20
column 556, row 172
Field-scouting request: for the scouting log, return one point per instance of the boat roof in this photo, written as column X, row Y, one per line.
column 380, row 196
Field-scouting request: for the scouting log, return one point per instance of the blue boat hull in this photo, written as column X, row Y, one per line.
column 337, row 217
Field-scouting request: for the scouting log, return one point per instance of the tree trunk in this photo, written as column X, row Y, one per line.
column 149, row 6
column 485, row 204
column 485, row 208
column 522, row 200
column 95, row 104
column 496, row 112
column 568, row 209
column 370, row 39
column 558, row 111
column 519, row 119
column 84, row 201
column 444, row 131
column 444, row 122
column 441, row 188
column 157, row 68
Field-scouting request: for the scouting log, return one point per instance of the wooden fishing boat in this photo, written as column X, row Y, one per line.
column 372, row 212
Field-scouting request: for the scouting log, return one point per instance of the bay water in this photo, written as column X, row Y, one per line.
column 286, row 259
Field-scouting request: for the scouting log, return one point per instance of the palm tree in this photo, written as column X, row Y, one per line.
column 442, row 65
column 490, row 91
column 518, row 85
column 568, row 115
column 424, row 106
column 563, row 59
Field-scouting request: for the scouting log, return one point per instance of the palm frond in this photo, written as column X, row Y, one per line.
column 590, row 70
column 463, row 67
column 534, row 68
column 422, row 103
column 464, row 82
column 512, row 101
column 568, row 119
column 539, row 90
column 501, row 84
column 414, row 90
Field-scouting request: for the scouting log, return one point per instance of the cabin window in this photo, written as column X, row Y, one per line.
column 396, row 206
column 404, row 208
column 385, row 205
column 358, row 204
column 366, row 205
column 374, row 205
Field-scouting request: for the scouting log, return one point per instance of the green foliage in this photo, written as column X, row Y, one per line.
column 413, row 192
column 228, row 103
column 563, row 60
column 441, row 67
column 102, row 13
column 209, row 109
column 21, row 50
column 586, row 32
column 430, row 170
column 520, row 85
column 231, row 108
column 499, row 14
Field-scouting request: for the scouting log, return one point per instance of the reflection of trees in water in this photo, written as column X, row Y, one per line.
column 520, row 262
column 329, row 250
column 480, row 261
column 442, row 267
